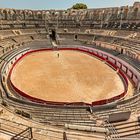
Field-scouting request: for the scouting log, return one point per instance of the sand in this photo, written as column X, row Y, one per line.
column 73, row 77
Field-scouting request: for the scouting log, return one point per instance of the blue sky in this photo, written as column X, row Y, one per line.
column 61, row 4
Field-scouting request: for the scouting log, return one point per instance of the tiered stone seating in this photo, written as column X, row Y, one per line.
column 127, row 129
column 23, row 39
column 28, row 31
column 6, row 33
column 134, row 63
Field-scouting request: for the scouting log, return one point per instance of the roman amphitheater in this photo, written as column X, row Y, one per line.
column 70, row 74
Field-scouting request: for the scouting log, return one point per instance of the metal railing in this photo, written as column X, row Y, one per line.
column 24, row 135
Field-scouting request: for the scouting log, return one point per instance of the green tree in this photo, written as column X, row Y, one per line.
column 79, row 6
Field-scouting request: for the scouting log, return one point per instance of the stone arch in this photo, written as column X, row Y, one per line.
column 11, row 14
column 1, row 14
column 5, row 14
column 39, row 15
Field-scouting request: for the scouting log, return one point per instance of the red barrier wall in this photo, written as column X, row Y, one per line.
column 101, row 102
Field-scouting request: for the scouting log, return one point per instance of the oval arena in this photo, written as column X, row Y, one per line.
column 70, row 74
column 73, row 76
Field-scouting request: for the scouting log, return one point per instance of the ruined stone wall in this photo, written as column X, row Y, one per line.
column 100, row 18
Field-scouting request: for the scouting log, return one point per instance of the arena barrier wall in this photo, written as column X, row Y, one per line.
column 103, row 57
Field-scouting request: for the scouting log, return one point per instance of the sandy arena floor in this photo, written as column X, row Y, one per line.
column 73, row 77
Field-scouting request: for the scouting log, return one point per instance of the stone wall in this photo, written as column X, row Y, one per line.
column 117, row 17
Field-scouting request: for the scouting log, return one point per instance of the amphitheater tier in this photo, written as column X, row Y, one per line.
column 66, row 76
